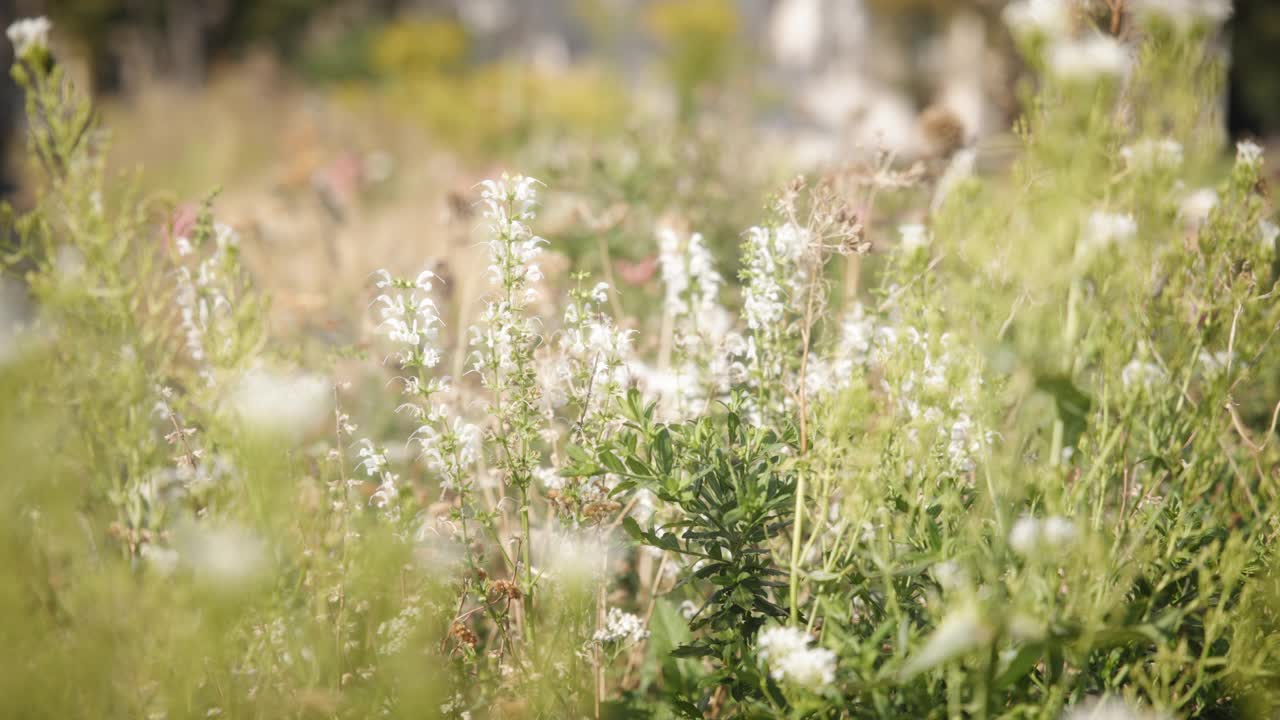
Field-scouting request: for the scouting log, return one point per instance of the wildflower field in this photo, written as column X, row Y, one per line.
column 881, row 441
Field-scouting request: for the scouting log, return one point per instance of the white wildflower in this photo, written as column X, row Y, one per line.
column 786, row 651
column 949, row 575
column 960, row 168
column 1048, row 17
column 1150, row 154
column 961, row 630
column 1198, row 205
column 549, row 478
column 1093, row 56
column 1143, row 374
column 621, row 627
column 29, row 34
column 1058, row 532
column 914, row 237
column 163, row 560
column 809, row 667
column 1185, row 13
column 688, row 273
column 778, row 641
column 1109, row 708
column 1215, row 363
column 573, row 560
column 394, row 634
column 450, row 445
column 688, row 609
column 1104, row 230
column 225, row 556
column 763, row 302
column 1033, row 536
column 409, row 318
column 1248, row 154
column 284, row 404
column 1267, row 233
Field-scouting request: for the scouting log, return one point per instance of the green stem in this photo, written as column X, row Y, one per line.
column 527, row 595
column 797, row 533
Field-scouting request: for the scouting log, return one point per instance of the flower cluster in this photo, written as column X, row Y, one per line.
column 203, row 296
column 450, row 445
column 790, row 659
column 505, row 339
column 373, row 460
column 1031, row 536
column 409, row 318
column 283, row 404
column 1105, row 229
column 697, row 365
column 621, row 626
column 29, row 34
column 1089, row 57
column 1152, row 154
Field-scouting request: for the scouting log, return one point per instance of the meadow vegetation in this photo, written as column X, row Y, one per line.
column 1010, row 455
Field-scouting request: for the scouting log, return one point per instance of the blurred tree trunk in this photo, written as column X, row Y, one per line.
column 188, row 24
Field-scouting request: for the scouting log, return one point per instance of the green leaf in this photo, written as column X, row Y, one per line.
column 692, row 650
column 632, row 528
column 1020, row 664
column 1072, row 404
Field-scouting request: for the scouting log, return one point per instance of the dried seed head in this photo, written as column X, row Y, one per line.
column 600, row 510
column 463, row 634
column 505, row 588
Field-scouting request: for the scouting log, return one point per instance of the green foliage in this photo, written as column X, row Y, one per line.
column 699, row 39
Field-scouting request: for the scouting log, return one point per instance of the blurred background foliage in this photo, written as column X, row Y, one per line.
column 337, row 130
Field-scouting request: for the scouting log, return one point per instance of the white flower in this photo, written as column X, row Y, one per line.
column 1149, row 154
column 914, row 237
column 1031, row 536
column 573, row 560
column 163, row 560
column 958, row 170
column 549, row 478
column 963, row 443
column 1141, row 373
column 372, row 459
column 1267, row 233
column 1248, row 154
column 1105, row 229
column 1108, row 708
column 1058, row 531
column 1185, row 12
column 1049, row 17
column 763, row 296
column 688, row 273
column 809, row 667
column 1089, row 57
column 778, row 641
column 688, row 609
column 286, row 404
column 792, row 241
column 222, row 555
column 950, row 575
column 621, row 626
column 960, row 631
column 1024, row 535
column 28, row 34
column 1197, row 206
column 786, row 650
column 1216, row 363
